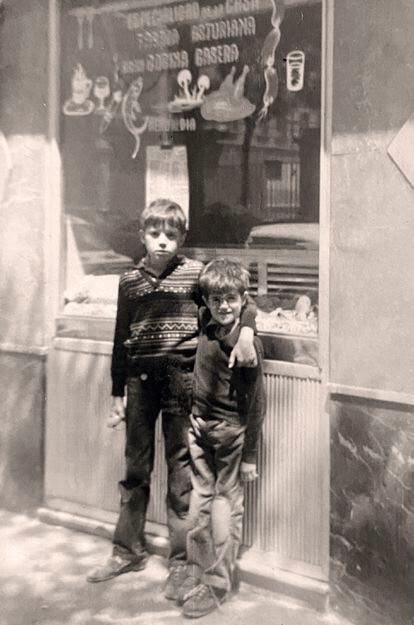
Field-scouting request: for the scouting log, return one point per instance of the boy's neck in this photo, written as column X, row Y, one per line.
column 158, row 268
column 222, row 331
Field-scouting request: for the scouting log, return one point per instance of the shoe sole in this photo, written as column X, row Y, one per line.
column 171, row 597
column 195, row 614
column 127, row 569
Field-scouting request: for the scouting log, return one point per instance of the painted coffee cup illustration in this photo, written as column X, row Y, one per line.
column 81, row 85
column 79, row 102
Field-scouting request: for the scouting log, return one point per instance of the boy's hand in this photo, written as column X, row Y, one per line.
column 117, row 413
column 248, row 471
column 244, row 353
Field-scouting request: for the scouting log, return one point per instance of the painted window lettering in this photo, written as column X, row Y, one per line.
column 154, row 18
column 242, row 6
column 216, row 54
column 224, row 29
column 157, row 38
column 167, row 60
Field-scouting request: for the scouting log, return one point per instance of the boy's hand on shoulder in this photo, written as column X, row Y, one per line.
column 117, row 412
column 248, row 471
column 244, row 353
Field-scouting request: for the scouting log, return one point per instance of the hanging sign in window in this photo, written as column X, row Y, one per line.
column 167, row 175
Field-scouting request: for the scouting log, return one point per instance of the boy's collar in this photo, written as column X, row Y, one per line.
column 213, row 328
column 174, row 262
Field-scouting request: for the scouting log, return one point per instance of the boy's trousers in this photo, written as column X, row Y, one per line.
column 216, row 450
column 164, row 388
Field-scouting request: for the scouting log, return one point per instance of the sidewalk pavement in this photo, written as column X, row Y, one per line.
column 42, row 582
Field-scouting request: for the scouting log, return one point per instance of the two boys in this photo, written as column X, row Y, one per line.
column 155, row 341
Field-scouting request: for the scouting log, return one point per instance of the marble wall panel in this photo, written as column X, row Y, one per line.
column 372, row 489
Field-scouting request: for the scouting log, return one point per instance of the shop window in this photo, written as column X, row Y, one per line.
column 215, row 104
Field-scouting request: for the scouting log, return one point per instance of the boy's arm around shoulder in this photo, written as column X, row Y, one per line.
column 256, row 405
column 249, row 314
column 204, row 316
column 244, row 353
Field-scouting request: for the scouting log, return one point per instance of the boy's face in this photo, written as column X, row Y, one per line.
column 225, row 308
column 162, row 243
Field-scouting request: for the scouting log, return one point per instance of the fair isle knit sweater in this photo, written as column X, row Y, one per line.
column 157, row 318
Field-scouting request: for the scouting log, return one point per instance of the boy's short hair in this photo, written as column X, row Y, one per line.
column 163, row 212
column 222, row 275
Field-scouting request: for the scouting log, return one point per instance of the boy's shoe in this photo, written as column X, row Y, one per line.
column 114, row 566
column 202, row 600
column 188, row 585
column 175, row 579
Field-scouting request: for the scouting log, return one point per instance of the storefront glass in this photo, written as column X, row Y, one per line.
column 214, row 104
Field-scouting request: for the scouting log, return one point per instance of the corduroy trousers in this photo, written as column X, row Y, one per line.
column 165, row 390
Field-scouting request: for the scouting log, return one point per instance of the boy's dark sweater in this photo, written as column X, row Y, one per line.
column 233, row 395
column 157, row 318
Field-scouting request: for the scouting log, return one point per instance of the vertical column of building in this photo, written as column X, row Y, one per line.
column 23, row 124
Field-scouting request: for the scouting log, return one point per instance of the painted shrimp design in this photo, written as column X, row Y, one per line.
column 268, row 58
column 131, row 109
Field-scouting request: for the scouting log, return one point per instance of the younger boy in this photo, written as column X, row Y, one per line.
column 154, row 349
column 228, row 410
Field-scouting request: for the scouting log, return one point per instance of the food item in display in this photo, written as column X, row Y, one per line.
column 302, row 321
column 95, row 296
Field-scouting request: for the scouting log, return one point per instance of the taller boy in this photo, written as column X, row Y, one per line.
column 153, row 355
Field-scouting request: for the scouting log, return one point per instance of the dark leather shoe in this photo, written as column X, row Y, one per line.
column 114, row 566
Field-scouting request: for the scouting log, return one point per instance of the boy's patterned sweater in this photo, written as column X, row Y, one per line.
column 156, row 316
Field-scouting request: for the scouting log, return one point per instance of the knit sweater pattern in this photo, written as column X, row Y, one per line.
column 156, row 317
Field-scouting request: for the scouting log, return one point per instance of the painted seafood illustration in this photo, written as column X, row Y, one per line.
column 116, row 98
column 268, row 59
column 228, row 103
column 132, row 112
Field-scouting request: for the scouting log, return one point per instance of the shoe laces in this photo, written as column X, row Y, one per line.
column 191, row 581
column 201, row 591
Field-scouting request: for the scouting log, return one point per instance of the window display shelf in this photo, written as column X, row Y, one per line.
column 283, row 282
column 85, row 327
